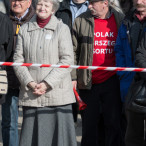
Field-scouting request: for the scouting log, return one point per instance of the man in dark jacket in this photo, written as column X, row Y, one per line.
column 94, row 36
column 128, row 39
column 21, row 12
column 68, row 11
column 6, row 41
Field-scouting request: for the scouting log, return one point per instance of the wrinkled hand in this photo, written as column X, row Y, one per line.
column 40, row 88
column 32, row 85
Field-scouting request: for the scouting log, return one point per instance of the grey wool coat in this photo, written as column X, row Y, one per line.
column 49, row 45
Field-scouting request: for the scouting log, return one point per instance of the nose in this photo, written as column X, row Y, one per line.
column 43, row 7
column 16, row 2
column 139, row 1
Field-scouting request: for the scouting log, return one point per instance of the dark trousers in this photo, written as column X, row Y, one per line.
column 135, row 129
column 107, row 96
column 75, row 111
column 123, row 127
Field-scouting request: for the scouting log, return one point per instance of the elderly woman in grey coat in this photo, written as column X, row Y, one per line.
column 46, row 94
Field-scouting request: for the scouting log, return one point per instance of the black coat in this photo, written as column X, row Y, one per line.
column 6, row 37
column 140, row 57
column 64, row 13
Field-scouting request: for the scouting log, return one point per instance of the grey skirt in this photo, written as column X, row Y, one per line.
column 48, row 126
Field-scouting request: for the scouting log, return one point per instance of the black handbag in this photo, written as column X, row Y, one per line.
column 136, row 97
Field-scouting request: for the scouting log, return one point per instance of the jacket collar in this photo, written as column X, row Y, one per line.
column 19, row 19
column 118, row 17
column 51, row 25
column 26, row 18
column 88, row 15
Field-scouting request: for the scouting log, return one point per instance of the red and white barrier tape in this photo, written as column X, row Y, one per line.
column 74, row 67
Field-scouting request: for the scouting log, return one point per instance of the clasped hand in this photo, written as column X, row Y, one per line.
column 38, row 89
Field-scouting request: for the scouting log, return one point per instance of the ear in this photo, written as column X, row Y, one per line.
column 29, row 3
column 53, row 11
column 106, row 2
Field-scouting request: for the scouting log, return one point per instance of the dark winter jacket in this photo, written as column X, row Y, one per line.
column 140, row 58
column 64, row 13
column 6, row 38
column 12, row 79
column 127, row 42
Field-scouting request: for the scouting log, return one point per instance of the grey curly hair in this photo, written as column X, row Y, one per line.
column 112, row 3
column 116, row 5
column 56, row 4
column 2, row 7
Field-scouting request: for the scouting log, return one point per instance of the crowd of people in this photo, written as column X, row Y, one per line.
column 110, row 33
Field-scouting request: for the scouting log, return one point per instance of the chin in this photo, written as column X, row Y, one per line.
column 42, row 17
column 16, row 10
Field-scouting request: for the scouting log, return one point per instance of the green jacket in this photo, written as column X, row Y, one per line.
column 83, row 42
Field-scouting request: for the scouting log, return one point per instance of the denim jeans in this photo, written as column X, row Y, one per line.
column 10, row 118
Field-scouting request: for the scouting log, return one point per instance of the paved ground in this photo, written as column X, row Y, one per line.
column 78, row 127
